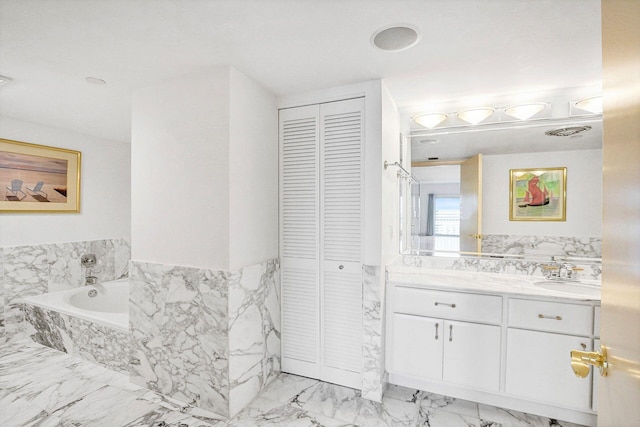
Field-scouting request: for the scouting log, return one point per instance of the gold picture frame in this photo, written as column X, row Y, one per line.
column 538, row 194
column 38, row 178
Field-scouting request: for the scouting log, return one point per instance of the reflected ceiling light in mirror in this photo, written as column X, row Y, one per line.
column 475, row 115
column 430, row 120
column 525, row 111
column 592, row 104
column 4, row 80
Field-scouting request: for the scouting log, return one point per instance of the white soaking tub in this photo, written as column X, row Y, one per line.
column 109, row 306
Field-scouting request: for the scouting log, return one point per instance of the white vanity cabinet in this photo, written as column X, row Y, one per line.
column 540, row 337
column 496, row 346
column 448, row 347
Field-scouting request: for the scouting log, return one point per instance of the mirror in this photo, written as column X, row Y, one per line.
column 441, row 222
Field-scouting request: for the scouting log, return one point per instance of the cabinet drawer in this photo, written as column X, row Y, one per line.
column 448, row 305
column 551, row 316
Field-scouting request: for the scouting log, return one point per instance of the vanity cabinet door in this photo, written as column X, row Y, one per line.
column 472, row 355
column 417, row 346
column 539, row 368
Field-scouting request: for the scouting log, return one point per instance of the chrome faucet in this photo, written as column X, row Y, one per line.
column 560, row 270
column 88, row 261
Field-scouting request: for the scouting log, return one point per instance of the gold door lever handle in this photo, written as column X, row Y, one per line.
column 581, row 361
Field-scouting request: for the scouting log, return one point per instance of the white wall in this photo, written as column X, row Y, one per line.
column 390, row 189
column 584, row 193
column 253, row 173
column 180, row 171
column 105, row 199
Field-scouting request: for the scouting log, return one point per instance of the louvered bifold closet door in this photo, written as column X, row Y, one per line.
column 341, row 160
column 299, row 240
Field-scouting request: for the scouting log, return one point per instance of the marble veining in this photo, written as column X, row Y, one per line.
column 179, row 333
column 99, row 344
column 254, row 331
column 587, row 247
column 41, row 386
column 37, row 269
column 372, row 340
column 591, row 270
column 206, row 337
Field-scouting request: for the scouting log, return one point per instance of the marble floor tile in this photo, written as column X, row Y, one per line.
column 46, row 388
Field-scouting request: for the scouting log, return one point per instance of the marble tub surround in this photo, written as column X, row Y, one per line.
column 37, row 269
column 77, row 337
column 41, row 386
column 592, row 270
column 373, row 372
column 206, row 337
column 586, row 247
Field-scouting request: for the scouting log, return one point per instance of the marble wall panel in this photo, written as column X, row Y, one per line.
column 65, row 269
column 26, row 272
column 373, row 372
column 178, row 320
column 254, row 331
column 586, row 247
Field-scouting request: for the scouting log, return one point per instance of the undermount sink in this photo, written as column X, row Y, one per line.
column 576, row 288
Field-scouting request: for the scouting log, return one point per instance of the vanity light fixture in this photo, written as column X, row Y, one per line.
column 394, row 38
column 4, row 80
column 475, row 115
column 592, row 104
column 525, row 111
column 430, row 120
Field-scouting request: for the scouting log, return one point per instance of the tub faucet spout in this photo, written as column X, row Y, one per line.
column 90, row 280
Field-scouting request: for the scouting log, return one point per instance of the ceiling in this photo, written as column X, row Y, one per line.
column 470, row 51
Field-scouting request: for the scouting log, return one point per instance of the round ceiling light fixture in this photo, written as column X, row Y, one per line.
column 397, row 37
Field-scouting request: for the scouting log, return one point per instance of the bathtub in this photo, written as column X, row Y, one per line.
column 109, row 307
column 90, row 328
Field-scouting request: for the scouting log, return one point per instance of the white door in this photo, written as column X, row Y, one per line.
column 299, row 237
column 471, row 204
column 619, row 392
column 472, row 355
column 341, row 151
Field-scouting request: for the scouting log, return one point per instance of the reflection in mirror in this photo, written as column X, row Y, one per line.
column 437, row 223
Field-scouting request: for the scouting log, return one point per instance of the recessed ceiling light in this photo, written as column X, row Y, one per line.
column 4, row 80
column 95, row 81
column 395, row 38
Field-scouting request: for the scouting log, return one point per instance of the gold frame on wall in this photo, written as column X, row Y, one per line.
column 38, row 178
column 538, row 194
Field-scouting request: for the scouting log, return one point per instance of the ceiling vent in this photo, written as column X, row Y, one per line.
column 570, row 131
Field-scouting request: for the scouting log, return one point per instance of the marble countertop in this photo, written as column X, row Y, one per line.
column 489, row 283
